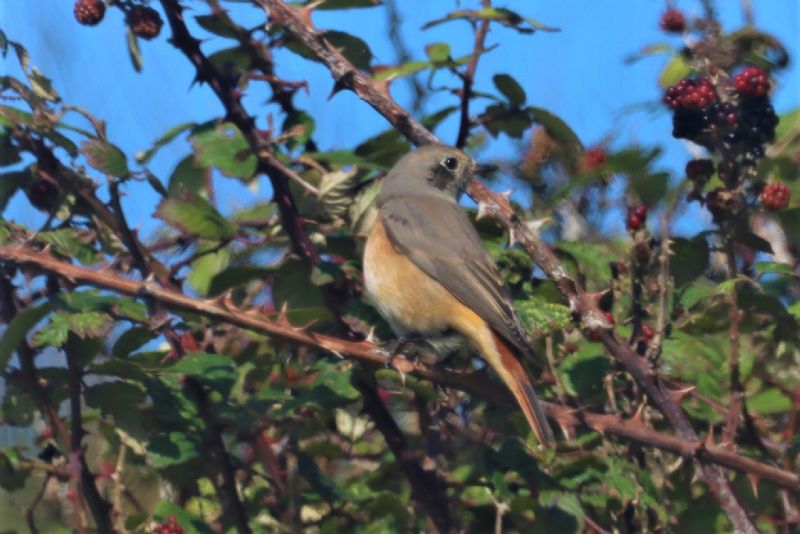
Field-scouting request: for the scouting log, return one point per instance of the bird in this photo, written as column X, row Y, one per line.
column 427, row 272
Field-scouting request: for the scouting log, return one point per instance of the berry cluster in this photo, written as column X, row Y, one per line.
column 170, row 526
column 672, row 21
column 144, row 22
column 637, row 215
column 740, row 126
column 775, row 196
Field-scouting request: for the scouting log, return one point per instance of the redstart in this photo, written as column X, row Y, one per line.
column 427, row 272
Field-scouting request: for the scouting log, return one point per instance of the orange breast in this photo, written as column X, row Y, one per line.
column 407, row 297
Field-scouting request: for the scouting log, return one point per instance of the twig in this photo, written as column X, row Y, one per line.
column 227, row 491
column 469, row 78
column 29, row 511
column 423, row 484
column 736, row 390
column 222, row 309
column 100, row 508
column 297, row 22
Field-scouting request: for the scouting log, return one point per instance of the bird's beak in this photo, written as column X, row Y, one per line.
column 483, row 169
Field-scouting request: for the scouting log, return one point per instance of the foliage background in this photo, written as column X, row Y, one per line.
column 344, row 475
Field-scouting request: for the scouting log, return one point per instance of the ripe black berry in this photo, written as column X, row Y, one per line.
column 637, row 215
column 751, row 82
column 775, row 196
column 89, row 12
column 699, row 169
column 43, row 194
column 672, row 21
column 145, row 22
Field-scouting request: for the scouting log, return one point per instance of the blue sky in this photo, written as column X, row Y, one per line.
column 577, row 73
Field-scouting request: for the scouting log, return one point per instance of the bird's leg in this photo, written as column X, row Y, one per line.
column 396, row 347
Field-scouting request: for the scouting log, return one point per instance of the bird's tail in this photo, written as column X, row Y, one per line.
column 516, row 378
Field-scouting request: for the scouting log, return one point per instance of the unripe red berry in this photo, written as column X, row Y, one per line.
column 751, row 82
column 648, row 332
column 593, row 157
column 637, row 215
column 672, row 21
column 89, row 12
column 775, row 196
column 145, row 22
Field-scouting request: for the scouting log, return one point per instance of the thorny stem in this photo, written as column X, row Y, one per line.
column 469, row 79
column 223, row 310
column 100, row 508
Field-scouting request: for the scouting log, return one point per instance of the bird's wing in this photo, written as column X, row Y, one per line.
column 437, row 237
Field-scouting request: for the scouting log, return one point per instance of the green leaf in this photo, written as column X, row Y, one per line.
column 132, row 340
column 69, row 243
column 18, row 328
column 438, row 52
column 193, row 214
column 542, row 317
column 510, row 89
column 346, row 4
column 790, row 220
column 217, row 24
column 399, row 71
column 9, row 154
column 555, row 127
column 352, row 48
column 168, row 137
column 105, row 157
column 120, row 400
column 214, row 370
column 174, row 448
column 11, row 478
column 302, row 125
column 511, row 121
column 689, row 259
column 9, row 183
column 188, row 175
column 134, row 53
column 769, row 402
column 292, row 288
column 651, row 187
column 223, row 146
column 506, row 17
column 676, row 70
column 86, row 325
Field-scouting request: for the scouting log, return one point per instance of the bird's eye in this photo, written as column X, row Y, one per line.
column 451, row 164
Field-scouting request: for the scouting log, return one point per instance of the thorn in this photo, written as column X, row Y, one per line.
column 679, row 394
column 709, row 441
column 638, row 417
column 536, row 224
column 340, row 85
column 150, row 278
column 383, row 86
column 227, row 300
column 46, row 251
column 371, row 336
column 306, row 327
column 483, row 210
column 512, row 237
column 754, row 480
column 305, row 12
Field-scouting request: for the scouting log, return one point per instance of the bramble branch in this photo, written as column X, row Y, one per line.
column 223, row 309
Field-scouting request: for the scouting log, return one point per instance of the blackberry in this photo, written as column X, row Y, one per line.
column 721, row 202
column 43, row 195
column 699, row 169
column 145, row 22
column 696, row 107
column 672, row 21
column 593, row 157
column 89, row 12
column 728, row 172
column 775, row 196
